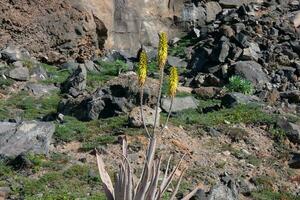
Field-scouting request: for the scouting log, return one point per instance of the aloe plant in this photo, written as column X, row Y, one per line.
column 148, row 187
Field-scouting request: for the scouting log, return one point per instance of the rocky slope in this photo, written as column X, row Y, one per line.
column 236, row 114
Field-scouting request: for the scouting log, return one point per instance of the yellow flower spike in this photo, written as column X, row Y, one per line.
column 142, row 70
column 173, row 82
column 162, row 49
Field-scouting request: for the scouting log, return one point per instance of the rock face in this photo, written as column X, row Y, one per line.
column 79, row 28
column 16, row 139
column 63, row 26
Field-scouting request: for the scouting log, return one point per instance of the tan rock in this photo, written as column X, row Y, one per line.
column 135, row 118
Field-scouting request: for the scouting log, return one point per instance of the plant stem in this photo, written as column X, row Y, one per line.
column 142, row 112
column 169, row 114
column 158, row 98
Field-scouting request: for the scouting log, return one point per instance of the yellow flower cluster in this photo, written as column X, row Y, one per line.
column 162, row 49
column 142, row 70
column 173, row 82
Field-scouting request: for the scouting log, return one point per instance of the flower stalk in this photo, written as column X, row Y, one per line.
column 162, row 59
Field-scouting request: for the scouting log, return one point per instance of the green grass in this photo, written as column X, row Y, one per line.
column 5, row 82
column 91, row 133
column 56, row 76
column 270, row 195
column 68, row 181
column 112, row 68
column 179, row 48
column 33, row 108
column 240, row 114
column 108, row 70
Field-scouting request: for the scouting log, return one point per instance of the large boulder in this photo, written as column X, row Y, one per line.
column 38, row 89
column 76, row 82
column 32, row 136
column 179, row 103
column 235, row 3
column 14, row 53
column 292, row 130
column 251, row 71
column 119, row 95
column 233, row 99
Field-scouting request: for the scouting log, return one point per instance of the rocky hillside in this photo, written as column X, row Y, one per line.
column 68, row 86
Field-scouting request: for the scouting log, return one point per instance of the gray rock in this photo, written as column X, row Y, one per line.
column 71, row 65
column 13, row 54
column 16, row 139
column 18, row 64
column 221, row 52
column 232, row 99
column 292, row 96
column 39, row 90
column 251, row 71
column 175, row 61
column 222, row 192
column 212, row 10
column 119, row 95
column 234, row 3
column 200, row 59
column 135, row 119
column 19, row 74
column 294, row 162
column 90, row 66
column 179, row 104
column 193, row 14
column 39, row 73
column 76, row 83
column 251, row 53
column 292, row 130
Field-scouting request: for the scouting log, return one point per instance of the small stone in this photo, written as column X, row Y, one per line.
column 226, row 153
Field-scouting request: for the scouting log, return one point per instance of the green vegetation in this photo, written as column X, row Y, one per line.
column 239, row 114
column 107, row 71
column 56, row 76
column 66, row 182
column 112, row 68
column 5, row 82
column 277, row 133
column 179, row 48
column 91, row 134
column 32, row 108
column 270, row 195
column 28, row 63
column 238, row 84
